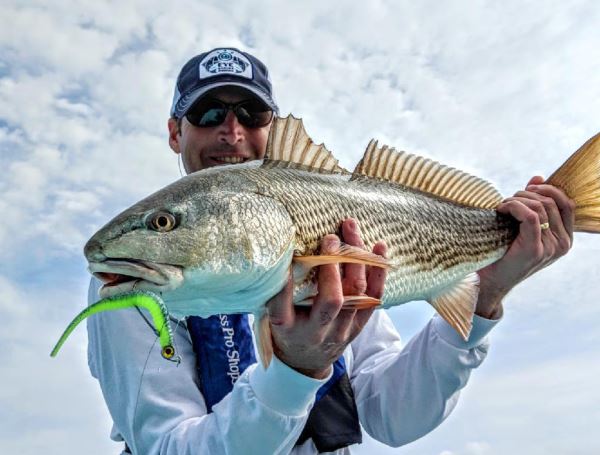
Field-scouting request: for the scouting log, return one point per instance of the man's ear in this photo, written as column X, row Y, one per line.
column 174, row 134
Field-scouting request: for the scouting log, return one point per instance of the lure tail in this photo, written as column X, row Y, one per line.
column 148, row 300
column 579, row 178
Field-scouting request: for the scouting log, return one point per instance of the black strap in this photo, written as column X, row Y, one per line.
column 333, row 421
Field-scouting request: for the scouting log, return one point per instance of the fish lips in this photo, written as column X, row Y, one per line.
column 124, row 275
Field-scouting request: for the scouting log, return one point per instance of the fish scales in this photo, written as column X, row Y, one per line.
column 430, row 241
column 222, row 240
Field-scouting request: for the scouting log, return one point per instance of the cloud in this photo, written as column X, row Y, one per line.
column 503, row 91
column 545, row 393
column 10, row 296
column 46, row 399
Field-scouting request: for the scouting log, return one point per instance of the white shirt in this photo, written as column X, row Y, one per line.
column 156, row 405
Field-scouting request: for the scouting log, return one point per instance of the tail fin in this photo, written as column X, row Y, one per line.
column 579, row 178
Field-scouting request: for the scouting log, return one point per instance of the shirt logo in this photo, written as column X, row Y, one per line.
column 233, row 355
column 225, row 61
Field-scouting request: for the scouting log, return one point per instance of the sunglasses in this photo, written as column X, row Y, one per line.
column 212, row 112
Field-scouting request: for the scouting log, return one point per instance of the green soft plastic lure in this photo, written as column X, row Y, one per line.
column 152, row 302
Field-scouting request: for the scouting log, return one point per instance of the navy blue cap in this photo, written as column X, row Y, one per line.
column 221, row 67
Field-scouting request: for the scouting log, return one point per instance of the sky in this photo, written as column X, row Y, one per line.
column 504, row 90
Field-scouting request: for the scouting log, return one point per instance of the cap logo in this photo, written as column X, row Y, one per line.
column 225, row 62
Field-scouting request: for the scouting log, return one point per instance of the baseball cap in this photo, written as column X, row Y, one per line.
column 223, row 66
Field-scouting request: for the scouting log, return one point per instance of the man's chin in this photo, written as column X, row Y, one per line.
column 223, row 161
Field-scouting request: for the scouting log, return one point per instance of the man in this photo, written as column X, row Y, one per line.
column 332, row 367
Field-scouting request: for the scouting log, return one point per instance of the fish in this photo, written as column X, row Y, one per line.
column 225, row 239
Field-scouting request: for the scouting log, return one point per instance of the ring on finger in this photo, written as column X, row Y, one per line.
column 545, row 226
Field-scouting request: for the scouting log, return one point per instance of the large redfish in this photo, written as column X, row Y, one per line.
column 222, row 240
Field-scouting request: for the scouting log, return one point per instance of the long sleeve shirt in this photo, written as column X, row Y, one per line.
column 402, row 392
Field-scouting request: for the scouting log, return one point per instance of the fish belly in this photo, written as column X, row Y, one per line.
column 247, row 294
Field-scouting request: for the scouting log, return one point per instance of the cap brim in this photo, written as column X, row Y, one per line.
column 186, row 102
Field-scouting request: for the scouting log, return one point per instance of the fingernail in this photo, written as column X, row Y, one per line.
column 532, row 187
column 331, row 243
column 351, row 224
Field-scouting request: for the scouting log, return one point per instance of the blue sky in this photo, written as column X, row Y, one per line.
column 504, row 90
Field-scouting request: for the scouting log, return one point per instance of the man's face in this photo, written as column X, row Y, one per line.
column 227, row 143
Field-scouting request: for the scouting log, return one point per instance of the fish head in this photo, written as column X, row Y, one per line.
column 201, row 235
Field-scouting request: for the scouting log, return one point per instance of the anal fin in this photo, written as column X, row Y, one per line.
column 456, row 304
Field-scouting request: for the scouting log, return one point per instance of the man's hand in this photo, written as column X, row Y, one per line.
column 534, row 248
column 311, row 340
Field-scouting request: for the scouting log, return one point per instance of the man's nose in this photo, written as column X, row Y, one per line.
column 232, row 131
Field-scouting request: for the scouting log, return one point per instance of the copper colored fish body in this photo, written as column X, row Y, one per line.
column 431, row 241
column 222, row 240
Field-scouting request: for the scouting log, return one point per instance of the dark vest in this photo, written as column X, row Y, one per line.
column 224, row 349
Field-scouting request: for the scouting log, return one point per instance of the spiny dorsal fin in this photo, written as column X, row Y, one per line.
column 290, row 146
column 426, row 175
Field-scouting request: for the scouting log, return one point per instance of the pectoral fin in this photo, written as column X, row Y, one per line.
column 456, row 304
column 360, row 302
column 344, row 254
column 264, row 342
column 351, row 302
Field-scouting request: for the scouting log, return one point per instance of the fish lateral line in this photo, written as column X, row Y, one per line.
column 144, row 299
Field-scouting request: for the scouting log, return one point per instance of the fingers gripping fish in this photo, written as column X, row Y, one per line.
column 221, row 240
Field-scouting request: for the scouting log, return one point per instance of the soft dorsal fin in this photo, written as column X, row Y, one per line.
column 426, row 175
column 290, row 146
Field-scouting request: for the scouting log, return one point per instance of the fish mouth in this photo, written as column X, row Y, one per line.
column 124, row 275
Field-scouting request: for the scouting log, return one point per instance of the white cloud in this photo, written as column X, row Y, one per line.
column 11, row 302
column 471, row 448
column 501, row 90
column 46, row 399
column 478, row 448
column 134, row 87
column 30, row 35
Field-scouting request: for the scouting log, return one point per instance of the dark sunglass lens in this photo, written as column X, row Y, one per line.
column 207, row 114
column 253, row 114
column 213, row 117
column 211, row 112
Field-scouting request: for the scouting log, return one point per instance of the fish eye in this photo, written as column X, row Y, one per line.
column 168, row 352
column 163, row 222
